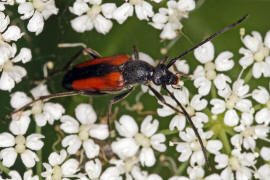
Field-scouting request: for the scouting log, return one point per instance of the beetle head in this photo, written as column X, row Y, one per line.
column 162, row 76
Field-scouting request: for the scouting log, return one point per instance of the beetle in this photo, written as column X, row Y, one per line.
column 120, row 74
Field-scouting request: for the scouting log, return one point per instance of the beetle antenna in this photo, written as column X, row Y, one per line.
column 192, row 125
column 172, row 61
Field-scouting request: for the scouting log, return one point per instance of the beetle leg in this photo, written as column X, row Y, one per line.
column 92, row 53
column 161, row 98
column 53, row 96
column 44, row 98
column 136, row 52
column 115, row 100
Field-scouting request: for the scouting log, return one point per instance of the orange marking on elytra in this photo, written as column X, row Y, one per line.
column 113, row 81
column 112, row 60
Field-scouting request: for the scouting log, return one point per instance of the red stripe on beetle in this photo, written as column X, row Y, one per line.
column 112, row 60
column 113, row 81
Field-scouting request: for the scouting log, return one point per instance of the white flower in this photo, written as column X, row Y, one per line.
column 256, row 54
column 11, row 73
column 261, row 95
column 7, row 34
column 5, row 2
column 197, row 172
column 192, row 149
column 59, row 167
column 238, row 163
column 19, row 144
column 192, row 106
column 43, row 112
column 234, row 99
column 248, row 133
column 264, row 170
column 143, row 10
column 81, row 132
column 111, row 173
column 89, row 16
column 168, row 19
column 93, row 168
column 37, row 11
column 147, row 139
column 26, row 176
column 130, row 168
column 203, row 76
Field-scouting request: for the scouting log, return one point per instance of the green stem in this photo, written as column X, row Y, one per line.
column 167, row 132
column 213, row 91
column 181, row 168
column 248, row 76
column 223, row 137
column 258, row 107
column 39, row 153
column 4, row 168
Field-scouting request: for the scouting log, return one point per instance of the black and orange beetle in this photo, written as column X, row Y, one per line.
column 114, row 74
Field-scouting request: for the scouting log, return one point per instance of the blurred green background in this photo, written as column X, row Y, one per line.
column 208, row 17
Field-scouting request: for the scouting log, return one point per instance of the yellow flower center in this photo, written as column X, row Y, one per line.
column 142, row 140
column 20, row 144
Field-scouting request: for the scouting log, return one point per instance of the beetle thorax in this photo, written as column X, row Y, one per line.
column 162, row 76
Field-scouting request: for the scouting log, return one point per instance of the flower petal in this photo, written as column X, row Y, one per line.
column 91, row 149
column 82, row 23
column 93, row 168
column 19, row 127
column 33, row 141
column 126, row 127
column 72, row 142
column 24, row 56
column 6, row 140
column 205, row 53
column 13, row 33
column 57, row 159
column 147, row 157
column 224, row 62
column 123, row 12
column 102, row 24
column 19, row 99
column 157, row 141
column 36, row 23
column 125, row 147
column 8, row 156
column 69, row 124
column 99, row 131
column 70, row 167
column 85, row 114
column 231, row 118
column 148, row 128
column 29, row 158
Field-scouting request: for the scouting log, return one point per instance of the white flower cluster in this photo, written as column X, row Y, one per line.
column 95, row 14
column 234, row 118
column 11, row 73
column 37, row 11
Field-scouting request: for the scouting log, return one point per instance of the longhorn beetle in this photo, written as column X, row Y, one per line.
column 113, row 74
